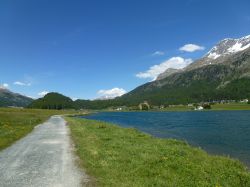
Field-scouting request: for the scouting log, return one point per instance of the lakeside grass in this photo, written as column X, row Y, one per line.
column 117, row 156
column 231, row 106
column 16, row 122
column 177, row 108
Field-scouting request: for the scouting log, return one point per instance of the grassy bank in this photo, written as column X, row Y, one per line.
column 231, row 106
column 117, row 156
column 16, row 123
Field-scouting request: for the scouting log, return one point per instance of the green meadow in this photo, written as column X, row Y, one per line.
column 117, row 156
column 231, row 106
column 16, row 122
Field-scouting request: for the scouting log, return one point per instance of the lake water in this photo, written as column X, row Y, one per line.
column 218, row 132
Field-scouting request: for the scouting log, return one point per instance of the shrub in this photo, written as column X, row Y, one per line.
column 206, row 106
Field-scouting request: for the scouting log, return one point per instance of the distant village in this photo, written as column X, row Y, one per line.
column 192, row 106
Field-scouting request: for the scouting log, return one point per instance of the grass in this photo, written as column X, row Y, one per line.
column 231, row 106
column 177, row 108
column 117, row 156
column 16, row 123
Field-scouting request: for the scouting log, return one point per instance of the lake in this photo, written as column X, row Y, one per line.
column 217, row 132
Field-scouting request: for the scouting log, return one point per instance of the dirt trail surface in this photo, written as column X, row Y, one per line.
column 42, row 158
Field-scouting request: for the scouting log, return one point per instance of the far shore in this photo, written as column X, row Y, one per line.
column 184, row 108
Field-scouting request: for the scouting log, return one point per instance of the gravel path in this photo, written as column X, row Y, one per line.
column 44, row 158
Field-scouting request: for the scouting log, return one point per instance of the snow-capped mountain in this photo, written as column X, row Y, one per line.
column 229, row 46
column 222, row 51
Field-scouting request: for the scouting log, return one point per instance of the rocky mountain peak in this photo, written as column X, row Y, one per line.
column 221, row 51
column 228, row 46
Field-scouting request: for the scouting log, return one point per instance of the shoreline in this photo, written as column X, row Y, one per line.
column 108, row 150
column 185, row 108
column 210, row 151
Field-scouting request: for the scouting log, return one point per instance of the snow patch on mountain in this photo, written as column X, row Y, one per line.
column 228, row 46
column 237, row 47
column 213, row 55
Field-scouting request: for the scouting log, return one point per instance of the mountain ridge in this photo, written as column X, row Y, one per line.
column 9, row 98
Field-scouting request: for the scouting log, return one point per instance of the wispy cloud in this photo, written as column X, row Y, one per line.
column 191, row 48
column 112, row 93
column 21, row 83
column 154, row 71
column 158, row 53
column 43, row 93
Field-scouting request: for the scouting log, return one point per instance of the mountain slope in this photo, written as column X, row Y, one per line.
column 224, row 77
column 167, row 73
column 8, row 98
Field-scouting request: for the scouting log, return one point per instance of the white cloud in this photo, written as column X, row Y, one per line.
column 21, row 83
column 158, row 53
column 191, row 48
column 43, row 93
column 4, row 86
column 112, row 93
column 174, row 62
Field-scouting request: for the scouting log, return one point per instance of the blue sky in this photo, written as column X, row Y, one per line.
column 84, row 49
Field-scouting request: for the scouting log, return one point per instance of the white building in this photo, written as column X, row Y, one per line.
column 199, row 108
